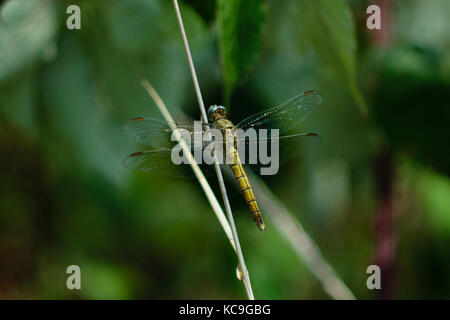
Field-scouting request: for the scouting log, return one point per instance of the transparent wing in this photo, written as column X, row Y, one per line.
column 157, row 133
column 286, row 116
column 160, row 161
column 289, row 147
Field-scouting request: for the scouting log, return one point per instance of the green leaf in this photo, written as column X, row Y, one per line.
column 327, row 27
column 240, row 28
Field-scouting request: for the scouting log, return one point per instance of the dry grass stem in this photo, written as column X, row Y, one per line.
column 305, row 247
column 242, row 267
column 197, row 171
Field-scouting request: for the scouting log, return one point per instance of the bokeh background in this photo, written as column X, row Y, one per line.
column 375, row 191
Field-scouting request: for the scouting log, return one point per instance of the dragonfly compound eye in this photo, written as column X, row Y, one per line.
column 216, row 112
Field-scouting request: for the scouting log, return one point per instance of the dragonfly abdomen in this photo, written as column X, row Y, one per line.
column 244, row 183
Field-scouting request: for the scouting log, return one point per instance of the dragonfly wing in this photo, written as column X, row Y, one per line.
column 157, row 133
column 160, row 161
column 286, row 116
column 289, row 147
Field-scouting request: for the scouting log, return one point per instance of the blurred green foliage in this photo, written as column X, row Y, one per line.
column 331, row 20
column 240, row 24
column 66, row 94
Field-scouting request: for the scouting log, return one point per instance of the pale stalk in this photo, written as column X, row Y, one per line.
column 197, row 171
column 243, row 268
column 303, row 245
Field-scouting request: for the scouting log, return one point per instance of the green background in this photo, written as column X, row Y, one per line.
column 375, row 191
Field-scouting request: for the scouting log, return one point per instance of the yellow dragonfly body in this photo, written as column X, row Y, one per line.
column 217, row 115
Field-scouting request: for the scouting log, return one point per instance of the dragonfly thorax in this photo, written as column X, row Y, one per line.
column 216, row 113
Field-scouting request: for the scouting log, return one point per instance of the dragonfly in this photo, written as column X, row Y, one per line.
column 285, row 117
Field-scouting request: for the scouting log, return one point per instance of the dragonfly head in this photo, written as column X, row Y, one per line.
column 216, row 112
